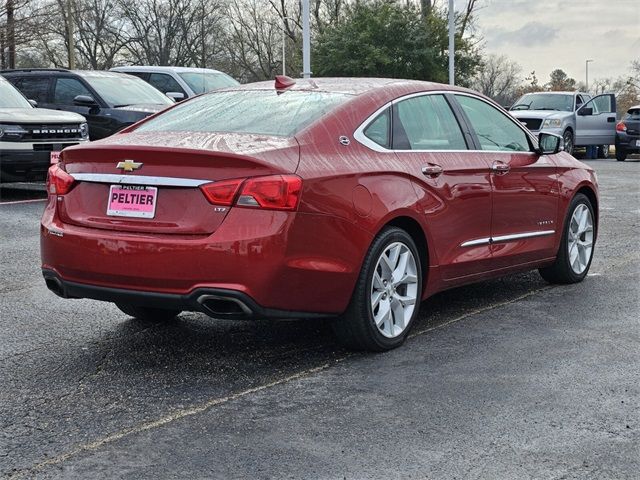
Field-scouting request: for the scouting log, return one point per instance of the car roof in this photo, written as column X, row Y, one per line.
column 148, row 68
column 348, row 85
column 62, row 72
column 635, row 107
column 560, row 93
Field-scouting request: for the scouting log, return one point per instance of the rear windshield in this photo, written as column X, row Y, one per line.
column 633, row 114
column 205, row 82
column 247, row 111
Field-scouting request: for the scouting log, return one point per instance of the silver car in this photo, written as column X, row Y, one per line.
column 180, row 82
column 580, row 120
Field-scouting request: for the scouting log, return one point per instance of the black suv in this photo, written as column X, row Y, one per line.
column 109, row 101
column 628, row 134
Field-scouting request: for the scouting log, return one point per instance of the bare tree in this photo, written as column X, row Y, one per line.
column 498, row 78
column 171, row 32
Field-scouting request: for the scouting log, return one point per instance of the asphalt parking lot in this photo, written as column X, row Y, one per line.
column 505, row 379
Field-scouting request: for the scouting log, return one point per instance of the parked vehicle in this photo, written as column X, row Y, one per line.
column 180, row 82
column 31, row 137
column 352, row 198
column 109, row 101
column 628, row 134
column 578, row 118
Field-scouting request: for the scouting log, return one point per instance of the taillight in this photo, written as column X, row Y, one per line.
column 59, row 182
column 222, row 193
column 621, row 127
column 275, row 192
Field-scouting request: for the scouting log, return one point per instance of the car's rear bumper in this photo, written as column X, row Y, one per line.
column 630, row 143
column 274, row 261
column 215, row 302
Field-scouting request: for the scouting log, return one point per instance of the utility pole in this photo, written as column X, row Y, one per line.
column 306, row 41
column 586, row 74
column 452, row 43
column 11, row 35
column 71, row 47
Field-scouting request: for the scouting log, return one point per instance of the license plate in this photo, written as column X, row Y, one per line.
column 132, row 201
column 637, row 143
column 54, row 158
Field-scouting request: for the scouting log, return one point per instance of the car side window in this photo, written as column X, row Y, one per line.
column 426, row 122
column 579, row 101
column 67, row 89
column 34, row 88
column 378, row 130
column 165, row 83
column 495, row 131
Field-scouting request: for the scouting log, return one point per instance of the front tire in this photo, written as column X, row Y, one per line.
column 386, row 299
column 567, row 138
column 148, row 314
column 576, row 247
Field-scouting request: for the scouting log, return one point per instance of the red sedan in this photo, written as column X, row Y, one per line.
column 352, row 198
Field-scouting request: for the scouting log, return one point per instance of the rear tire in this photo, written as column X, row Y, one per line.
column 148, row 314
column 576, row 247
column 621, row 154
column 386, row 299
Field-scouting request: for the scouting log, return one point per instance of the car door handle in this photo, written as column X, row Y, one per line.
column 500, row 168
column 611, row 119
column 432, row 170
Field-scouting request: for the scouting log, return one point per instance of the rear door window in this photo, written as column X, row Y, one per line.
column 67, row 89
column 34, row 88
column 426, row 123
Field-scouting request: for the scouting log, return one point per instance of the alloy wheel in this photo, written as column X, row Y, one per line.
column 394, row 289
column 580, row 238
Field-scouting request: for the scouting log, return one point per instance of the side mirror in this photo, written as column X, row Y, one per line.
column 175, row 96
column 585, row 111
column 549, row 143
column 33, row 103
column 85, row 101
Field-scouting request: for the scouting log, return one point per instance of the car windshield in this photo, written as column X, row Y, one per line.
column 121, row 90
column 267, row 112
column 205, row 82
column 10, row 97
column 544, row 101
column 633, row 114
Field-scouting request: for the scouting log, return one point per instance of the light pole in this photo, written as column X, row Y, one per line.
column 586, row 74
column 452, row 44
column 306, row 41
column 284, row 43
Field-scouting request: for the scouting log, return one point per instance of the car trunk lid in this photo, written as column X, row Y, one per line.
column 170, row 168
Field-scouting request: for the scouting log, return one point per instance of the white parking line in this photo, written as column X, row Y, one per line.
column 33, row 200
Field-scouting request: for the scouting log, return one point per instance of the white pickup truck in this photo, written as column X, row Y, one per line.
column 580, row 119
column 31, row 137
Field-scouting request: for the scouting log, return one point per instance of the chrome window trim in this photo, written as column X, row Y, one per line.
column 361, row 138
column 507, row 238
column 138, row 180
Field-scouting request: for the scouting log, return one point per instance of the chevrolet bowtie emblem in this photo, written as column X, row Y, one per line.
column 129, row 165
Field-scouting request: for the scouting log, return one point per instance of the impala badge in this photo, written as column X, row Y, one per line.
column 129, row 165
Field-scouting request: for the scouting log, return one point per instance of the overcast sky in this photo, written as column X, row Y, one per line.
column 543, row 35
